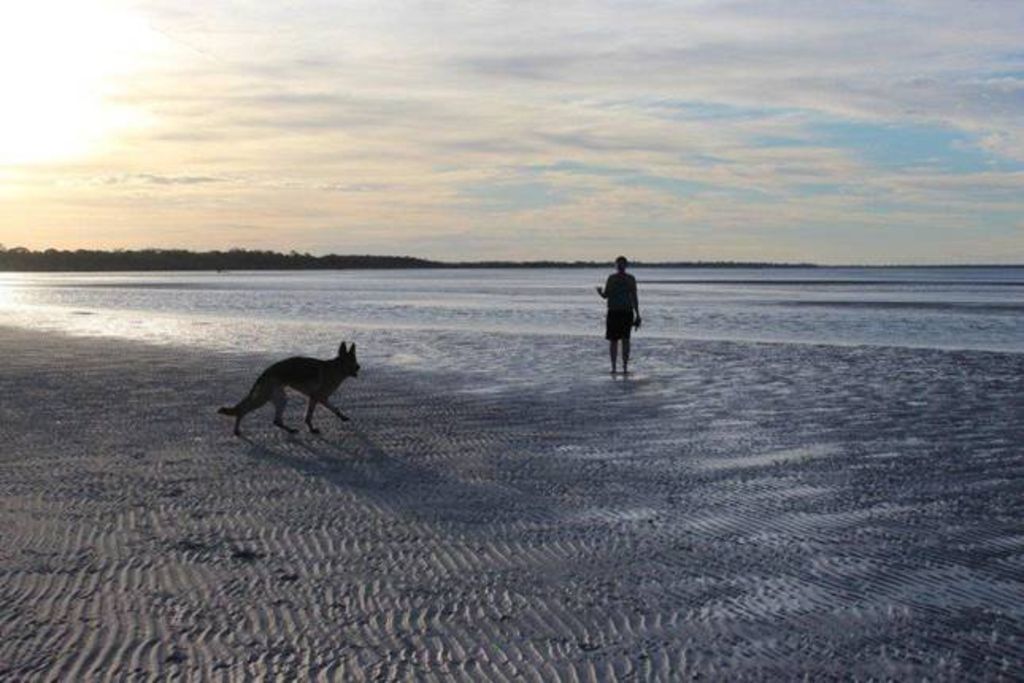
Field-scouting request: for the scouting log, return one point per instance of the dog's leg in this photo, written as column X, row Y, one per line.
column 280, row 401
column 334, row 409
column 309, row 415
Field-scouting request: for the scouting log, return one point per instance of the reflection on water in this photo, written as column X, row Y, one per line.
column 935, row 307
column 7, row 291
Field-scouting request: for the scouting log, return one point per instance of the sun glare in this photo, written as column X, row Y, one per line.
column 6, row 290
column 59, row 64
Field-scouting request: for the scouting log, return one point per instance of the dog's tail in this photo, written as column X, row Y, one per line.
column 257, row 396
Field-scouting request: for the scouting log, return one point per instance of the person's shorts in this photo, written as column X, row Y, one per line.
column 618, row 324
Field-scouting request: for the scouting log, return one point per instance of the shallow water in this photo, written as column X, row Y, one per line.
column 522, row 326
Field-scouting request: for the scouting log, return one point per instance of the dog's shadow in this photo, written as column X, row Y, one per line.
column 354, row 462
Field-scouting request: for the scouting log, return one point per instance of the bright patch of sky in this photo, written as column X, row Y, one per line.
column 803, row 130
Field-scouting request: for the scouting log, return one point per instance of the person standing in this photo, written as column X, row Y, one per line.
column 623, row 312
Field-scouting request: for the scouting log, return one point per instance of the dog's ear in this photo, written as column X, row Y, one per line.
column 342, row 350
column 352, row 349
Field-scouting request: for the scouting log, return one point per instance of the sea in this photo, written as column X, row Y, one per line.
column 445, row 318
column 489, row 329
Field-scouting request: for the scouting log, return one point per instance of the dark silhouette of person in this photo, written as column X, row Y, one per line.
column 623, row 312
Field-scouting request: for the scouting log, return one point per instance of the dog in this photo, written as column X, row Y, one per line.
column 316, row 379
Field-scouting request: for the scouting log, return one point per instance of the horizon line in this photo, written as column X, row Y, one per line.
column 308, row 261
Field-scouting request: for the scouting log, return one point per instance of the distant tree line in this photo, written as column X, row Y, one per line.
column 22, row 259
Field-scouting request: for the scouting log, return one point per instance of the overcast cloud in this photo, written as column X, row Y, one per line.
column 828, row 131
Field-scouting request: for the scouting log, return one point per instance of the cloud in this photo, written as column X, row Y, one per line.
column 515, row 196
column 157, row 179
column 732, row 123
column 529, row 67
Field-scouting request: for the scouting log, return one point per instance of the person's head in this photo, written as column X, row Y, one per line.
column 621, row 263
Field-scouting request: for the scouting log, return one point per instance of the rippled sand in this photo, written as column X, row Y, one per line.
column 782, row 511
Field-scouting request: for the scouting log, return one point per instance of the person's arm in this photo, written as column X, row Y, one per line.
column 635, row 300
column 603, row 293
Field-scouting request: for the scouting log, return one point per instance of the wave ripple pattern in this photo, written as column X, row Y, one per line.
column 784, row 511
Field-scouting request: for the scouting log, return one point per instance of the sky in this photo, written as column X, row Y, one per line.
column 829, row 131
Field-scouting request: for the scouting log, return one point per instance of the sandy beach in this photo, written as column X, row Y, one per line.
column 834, row 513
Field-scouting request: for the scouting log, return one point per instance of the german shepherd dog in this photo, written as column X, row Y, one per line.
column 317, row 379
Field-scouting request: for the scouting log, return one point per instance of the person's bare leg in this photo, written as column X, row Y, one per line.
column 613, row 349
column 625, row 356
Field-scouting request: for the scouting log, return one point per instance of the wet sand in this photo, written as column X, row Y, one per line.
column 805, row 511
